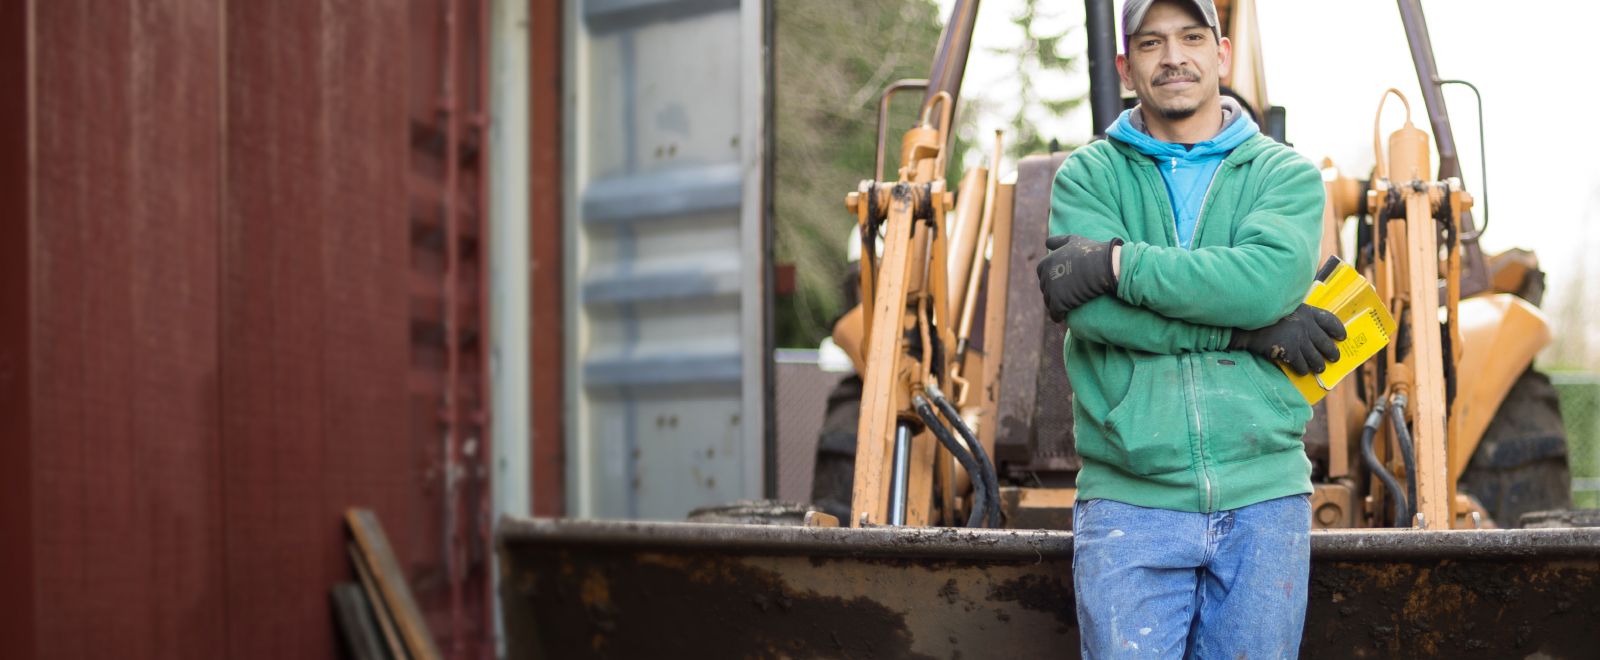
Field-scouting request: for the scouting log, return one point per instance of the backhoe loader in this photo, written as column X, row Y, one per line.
column 954, row 539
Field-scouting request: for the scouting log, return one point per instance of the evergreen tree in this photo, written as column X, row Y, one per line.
column 1038, row 55
column 834, row 57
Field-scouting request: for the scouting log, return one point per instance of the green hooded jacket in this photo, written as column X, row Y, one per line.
column 1165, row 415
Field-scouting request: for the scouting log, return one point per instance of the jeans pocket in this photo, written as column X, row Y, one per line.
column 1085, row 513
column 1081, row 507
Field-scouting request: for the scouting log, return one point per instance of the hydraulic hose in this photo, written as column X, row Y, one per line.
column 1390, row 485
column 1408, row 452
column 980, row 496
column 986, row 475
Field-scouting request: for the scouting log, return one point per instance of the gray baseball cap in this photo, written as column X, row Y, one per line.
column 1133, row 15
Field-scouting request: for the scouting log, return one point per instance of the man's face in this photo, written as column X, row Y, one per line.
column 1174, row 62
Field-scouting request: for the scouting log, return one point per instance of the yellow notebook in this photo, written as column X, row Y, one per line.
column 1367, row 324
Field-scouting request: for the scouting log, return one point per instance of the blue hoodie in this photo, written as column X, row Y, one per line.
column 1187, row 172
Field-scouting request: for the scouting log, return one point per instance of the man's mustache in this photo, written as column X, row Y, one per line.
column 1176, row 75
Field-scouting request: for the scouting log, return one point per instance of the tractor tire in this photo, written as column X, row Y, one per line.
column 833, row 478
column 1520, row 466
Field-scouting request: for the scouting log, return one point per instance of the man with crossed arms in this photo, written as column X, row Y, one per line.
column 1182, row 246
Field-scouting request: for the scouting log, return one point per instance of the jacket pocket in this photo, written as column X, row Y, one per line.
column 1246, row 414
column 1148, row 431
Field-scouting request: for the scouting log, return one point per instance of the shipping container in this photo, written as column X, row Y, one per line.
column 241, row 289
column 667, row 272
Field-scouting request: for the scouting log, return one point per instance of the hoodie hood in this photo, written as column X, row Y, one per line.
column 1236, row 128
column 1188, row 173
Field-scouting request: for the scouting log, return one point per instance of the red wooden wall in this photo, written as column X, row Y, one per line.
column 223, row 235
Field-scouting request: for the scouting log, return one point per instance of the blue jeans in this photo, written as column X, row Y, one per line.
column 1169, row 584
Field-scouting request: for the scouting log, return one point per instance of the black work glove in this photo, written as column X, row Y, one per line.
column 1306, row 339
column 1076, row 271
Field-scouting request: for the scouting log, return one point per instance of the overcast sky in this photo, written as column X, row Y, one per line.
column 1328, row 64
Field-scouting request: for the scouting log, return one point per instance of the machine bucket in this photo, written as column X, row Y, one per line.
column 611, row 589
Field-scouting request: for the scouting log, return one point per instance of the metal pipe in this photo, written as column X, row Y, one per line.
column 901, row 474
column 969, row 297
column 1475, row 273
column 883, row 128
column 1416, row 26
column 965, row 251
column 1483, row 159
column 950, row 61
column 505, row 321
column 1030, row 546
column 1105, row 95
column 768, row 236
column 455, row 460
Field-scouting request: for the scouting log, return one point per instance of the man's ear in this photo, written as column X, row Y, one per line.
column 1225, row 52
column 1122, row 72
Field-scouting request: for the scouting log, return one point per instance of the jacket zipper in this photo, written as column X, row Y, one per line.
column 1205, row 467
column 1194, row 400
column 1204, row 199
column 1199, row 428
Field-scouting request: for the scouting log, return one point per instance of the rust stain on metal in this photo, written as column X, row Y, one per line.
column 1040, row 593
column 1453, row 609
column 596, row 593
column 1443, row 601
column 635, row 605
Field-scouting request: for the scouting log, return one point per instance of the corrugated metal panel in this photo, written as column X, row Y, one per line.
column 124, row 277
column 226, row 243
column 666, row 255
column 315, row 414
column 17, row 588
